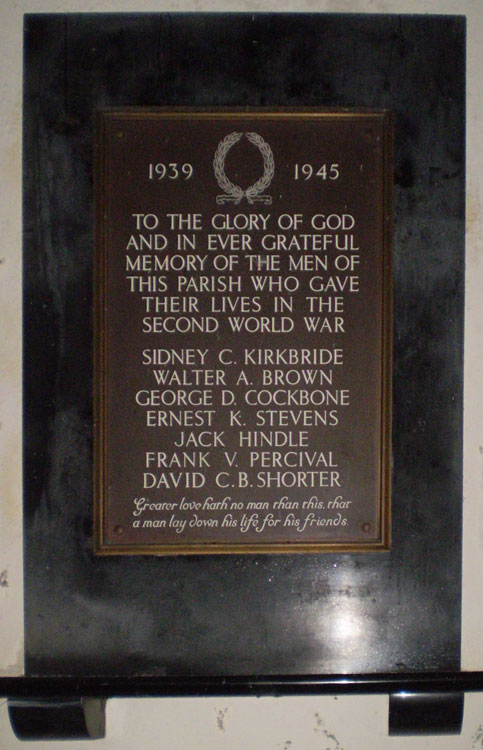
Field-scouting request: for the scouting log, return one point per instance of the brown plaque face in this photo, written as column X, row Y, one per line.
column 243, row 318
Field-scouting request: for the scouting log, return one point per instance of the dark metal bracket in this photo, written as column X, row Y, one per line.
column 425, row 713
column 58, row 719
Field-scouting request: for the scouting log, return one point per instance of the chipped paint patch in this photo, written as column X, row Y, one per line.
column 220, row 719
column 473, row 208
column 477, row 743
column 15, row 666
column 4, row 579
column 330, row 741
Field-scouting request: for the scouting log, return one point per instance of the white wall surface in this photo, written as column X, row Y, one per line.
column 346, row 723
column 324, row 723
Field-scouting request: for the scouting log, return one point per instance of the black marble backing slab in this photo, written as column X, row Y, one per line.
column 285, row 615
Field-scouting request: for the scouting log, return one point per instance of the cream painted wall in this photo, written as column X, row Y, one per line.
column 288, row 723
column 324, row 723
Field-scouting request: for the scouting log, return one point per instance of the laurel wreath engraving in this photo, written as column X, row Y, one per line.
column 234, row 193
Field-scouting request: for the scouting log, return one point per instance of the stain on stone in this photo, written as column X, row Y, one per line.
column 404, row 174
column 4, row 579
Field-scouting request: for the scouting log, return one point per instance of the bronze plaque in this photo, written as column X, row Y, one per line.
column 243, row 331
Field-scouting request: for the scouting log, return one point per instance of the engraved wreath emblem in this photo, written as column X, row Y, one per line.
column 234, row 193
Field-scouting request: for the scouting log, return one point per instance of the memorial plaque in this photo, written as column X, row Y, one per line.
column 243, row 331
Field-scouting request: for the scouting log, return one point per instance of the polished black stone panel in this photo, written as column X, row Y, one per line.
column 389, row 612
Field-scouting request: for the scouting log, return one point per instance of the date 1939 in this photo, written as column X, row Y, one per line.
column 170, row 171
